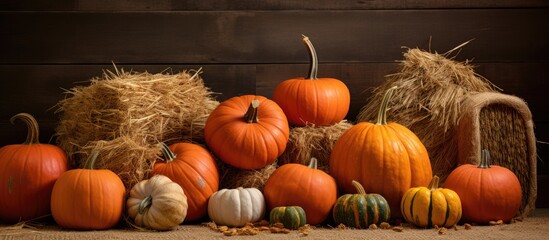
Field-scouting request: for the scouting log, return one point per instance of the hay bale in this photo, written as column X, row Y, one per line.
column 503, row 125
column 431, row 88
column 307, row 142
column 232, row 177
column 125, row 115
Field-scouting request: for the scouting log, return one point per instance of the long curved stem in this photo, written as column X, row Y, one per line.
column 32, row 127
column 90, row 162
column 382, row 114
column 359, row 188
column 313, row 67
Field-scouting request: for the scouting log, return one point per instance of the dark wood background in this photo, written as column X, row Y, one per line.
column 249, row 46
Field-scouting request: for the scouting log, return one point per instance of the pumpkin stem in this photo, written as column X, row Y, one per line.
column 485, row 160
column 167, row 153
column 32, row 127
column 359, row 188
column 144, row 204
column 90, row 162
column 251, row 114
column 313, row 163
column 313, row 67
column 434, row 182
column 382, row 114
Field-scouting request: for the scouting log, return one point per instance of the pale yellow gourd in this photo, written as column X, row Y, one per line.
column 157, row 203
column 236, row 207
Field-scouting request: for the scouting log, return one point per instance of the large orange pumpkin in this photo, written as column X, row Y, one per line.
column 27, row 174
column 386, row 158
column 194, row 169
column 247, row 132
column 487, row 192
column 312, row 100
column 88, row 199
column 295, row 184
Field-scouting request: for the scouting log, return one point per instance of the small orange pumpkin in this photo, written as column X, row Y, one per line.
column 312, row 100
column 194, row 169
column 295, row 184
column 386, row 158
column 247, row 132
column 28, row 172
column 487, row 192
column 88, row 199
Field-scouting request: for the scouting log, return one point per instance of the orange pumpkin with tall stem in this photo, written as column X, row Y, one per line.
column 386, row 158
column 312, row 100
column 28, row 172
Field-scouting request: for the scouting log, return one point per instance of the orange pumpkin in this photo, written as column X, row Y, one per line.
column 27, row 174
column 88, row 199
column 487, row 192
column 312, row 100
column 194, row 169
column 295, row 184
column 247, row 132
column 386, row 158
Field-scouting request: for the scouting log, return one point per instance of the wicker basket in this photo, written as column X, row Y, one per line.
column 502, row 124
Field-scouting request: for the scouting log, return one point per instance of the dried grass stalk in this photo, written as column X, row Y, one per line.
column 125, row 115
column 307, row 142
column 431, row 88
column 232, row 177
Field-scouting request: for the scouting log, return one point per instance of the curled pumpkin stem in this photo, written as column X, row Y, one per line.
column 382, row 114
column 359, row 188
column 32, row 127
column 251, row 114
column 313, row 67
column 90, row 162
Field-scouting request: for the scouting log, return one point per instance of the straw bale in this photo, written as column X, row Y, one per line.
column 311, row 141
column 232, row 177
column 129, row 113
column 431, row 88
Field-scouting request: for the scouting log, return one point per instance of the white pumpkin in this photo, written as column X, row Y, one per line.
column 236, row 207
column 157, row 203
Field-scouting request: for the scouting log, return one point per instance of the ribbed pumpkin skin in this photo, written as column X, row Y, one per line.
column 295, row 184
column 385, row 158
column 195, row 170
column 322, row 101
column 87, row 199
column 361, row 210
column 292, row 217
column 427, row 207
column 242, row 144
column 487, row 194
column 312, row 100
column 28, row 172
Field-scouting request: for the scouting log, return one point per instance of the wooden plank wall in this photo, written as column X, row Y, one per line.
column 248, row 47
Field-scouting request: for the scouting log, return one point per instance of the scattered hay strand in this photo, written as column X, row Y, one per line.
column 232, row 177
column 307, row 142
column 431, row 88
column 124, row 115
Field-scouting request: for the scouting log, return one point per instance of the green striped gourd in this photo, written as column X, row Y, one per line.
column 292, row 217
column 432, row 206
column 361, row 210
